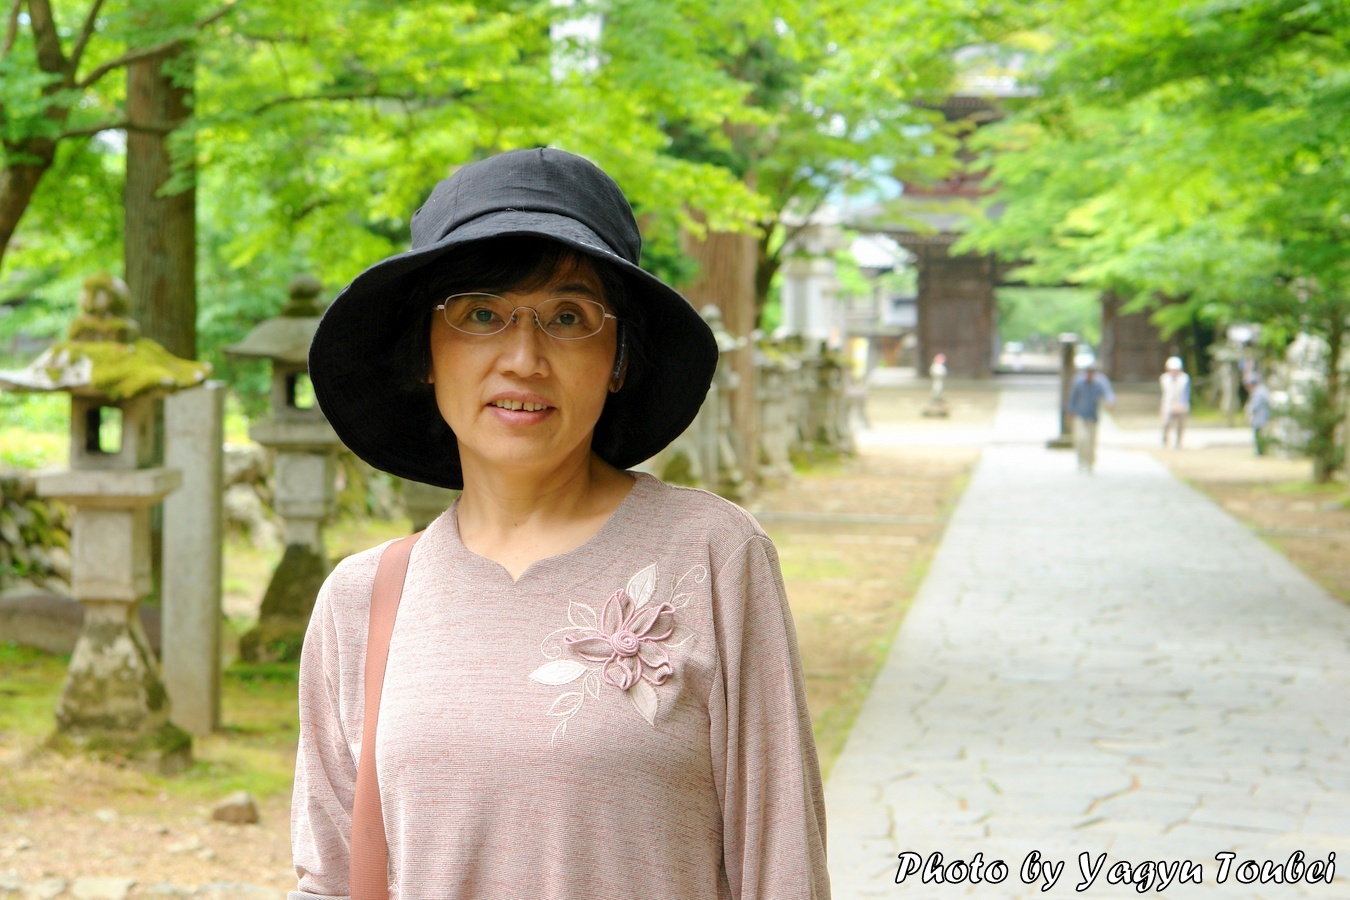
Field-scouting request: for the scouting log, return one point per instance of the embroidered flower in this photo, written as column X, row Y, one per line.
column 628, row 641
column 629, row 638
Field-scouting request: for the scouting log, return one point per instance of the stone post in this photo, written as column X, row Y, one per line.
column 192, row 541
column 726, row 475
column 775, row 400
column 1068, row 348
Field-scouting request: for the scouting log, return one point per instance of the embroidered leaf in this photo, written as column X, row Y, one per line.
column 642, row 585
column 592, row 684
column 680, row 599
column 678, row 636
column 581, row 615
column 567, row 704
column 563, row 671
column 559, row 732
column 643, row 696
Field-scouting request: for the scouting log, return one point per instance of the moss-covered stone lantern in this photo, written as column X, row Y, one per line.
column 303, row 494
column 114, row 701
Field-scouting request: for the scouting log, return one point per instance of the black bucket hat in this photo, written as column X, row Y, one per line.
column 543, row 193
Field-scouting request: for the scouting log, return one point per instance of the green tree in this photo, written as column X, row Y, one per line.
column 58, row 84
column 835, row 98
column 316, row 129
column 1195, row 153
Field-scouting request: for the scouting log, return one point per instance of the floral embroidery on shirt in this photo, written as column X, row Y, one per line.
column 626, row 645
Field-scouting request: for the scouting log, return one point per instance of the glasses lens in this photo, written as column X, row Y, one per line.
column 565, row 318
column 569, row 318
column 477, row 313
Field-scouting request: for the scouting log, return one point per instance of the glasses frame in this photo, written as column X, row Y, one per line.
column 443, row 308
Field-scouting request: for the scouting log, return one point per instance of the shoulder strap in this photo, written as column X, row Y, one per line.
column 369, row 863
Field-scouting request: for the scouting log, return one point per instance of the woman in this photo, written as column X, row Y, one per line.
column 1175, row 386
column 592, row 687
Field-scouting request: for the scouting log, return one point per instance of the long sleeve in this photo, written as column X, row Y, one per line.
column 763, row 751
column 325, row 767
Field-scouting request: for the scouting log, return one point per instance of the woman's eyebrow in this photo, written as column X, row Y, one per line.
column 571, row 288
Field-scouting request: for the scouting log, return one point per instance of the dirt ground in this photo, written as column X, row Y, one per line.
column 855, row 537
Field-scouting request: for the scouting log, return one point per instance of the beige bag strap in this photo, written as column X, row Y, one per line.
column 369, row 870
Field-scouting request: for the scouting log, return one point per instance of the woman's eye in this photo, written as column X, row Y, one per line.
column 482, row 316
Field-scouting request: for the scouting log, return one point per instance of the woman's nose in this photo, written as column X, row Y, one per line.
column 524, row 342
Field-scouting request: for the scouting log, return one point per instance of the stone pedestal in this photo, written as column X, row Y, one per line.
column 304, row 498
column 114, row 701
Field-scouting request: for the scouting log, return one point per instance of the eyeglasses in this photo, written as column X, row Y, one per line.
column 564, row 318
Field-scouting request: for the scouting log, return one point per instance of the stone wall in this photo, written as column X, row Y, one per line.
column 34, row 538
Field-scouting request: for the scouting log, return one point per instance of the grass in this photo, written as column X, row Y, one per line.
column 850, row 584
column 253, row 751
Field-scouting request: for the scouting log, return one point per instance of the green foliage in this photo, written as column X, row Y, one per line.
column 1041, row 314
column 831, row 96
column 1318, row 422
column 1189, row 156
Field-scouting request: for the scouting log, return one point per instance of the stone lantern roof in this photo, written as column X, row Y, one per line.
column 286, row 336
column 104, row 355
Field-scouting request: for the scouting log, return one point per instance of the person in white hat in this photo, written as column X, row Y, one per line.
column 1176, row 399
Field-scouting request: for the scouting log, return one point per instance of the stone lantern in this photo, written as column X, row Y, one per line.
column 305, row 448
column 114, row 700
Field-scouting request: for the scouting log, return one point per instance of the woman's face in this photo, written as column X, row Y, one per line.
column 521, row 400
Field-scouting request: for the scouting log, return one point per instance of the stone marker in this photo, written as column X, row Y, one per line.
column 192, row 546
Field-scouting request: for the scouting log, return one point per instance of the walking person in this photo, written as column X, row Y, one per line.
column 1176, row 399
column 1090, row 390
column 1258, row 411
column 592, row 686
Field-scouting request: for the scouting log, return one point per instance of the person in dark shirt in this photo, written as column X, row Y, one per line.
column 1090, row 389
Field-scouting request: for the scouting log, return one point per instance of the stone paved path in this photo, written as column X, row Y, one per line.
column 1094, row 665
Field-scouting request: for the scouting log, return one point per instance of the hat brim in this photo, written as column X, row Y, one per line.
column 403, row 433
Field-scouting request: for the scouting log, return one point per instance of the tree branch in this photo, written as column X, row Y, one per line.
column 12, row 27
column 122, row 125
column 368, row 94
column 140, row 53
column 49, row 56
column 86, row 32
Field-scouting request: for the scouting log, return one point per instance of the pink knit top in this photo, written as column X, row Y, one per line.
column 626, row 720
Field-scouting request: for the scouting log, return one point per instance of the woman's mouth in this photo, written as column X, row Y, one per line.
column 518, row 405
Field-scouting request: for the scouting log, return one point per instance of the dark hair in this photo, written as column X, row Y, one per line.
column 517, row 263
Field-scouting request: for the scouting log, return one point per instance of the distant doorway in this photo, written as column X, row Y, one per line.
column 1031, row 319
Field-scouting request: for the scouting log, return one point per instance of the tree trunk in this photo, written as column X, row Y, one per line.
column 1329, row 452
column 18, row 184
column 160, row 230
column 727, row 264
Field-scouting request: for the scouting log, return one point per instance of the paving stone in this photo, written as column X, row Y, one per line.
column 45, row 889
column 101, row 888
column 1101, row 665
